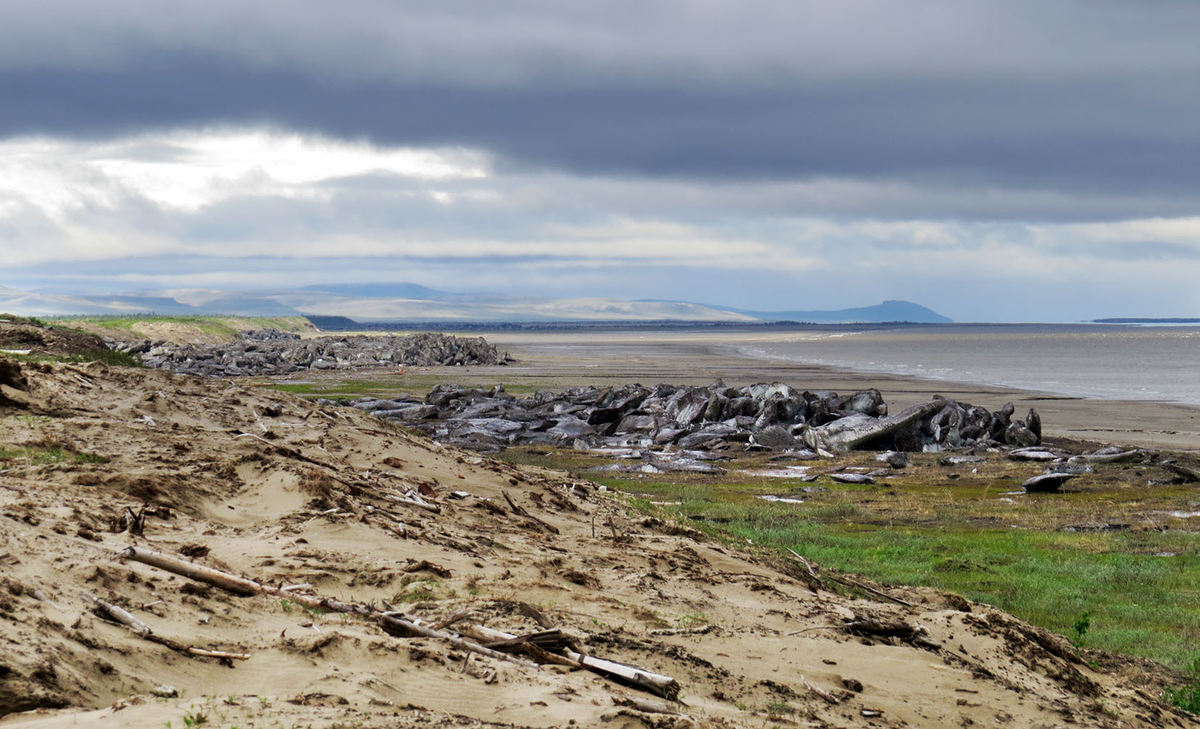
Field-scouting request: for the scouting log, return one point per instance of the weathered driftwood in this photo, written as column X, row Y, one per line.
column 393, row 625
column 426, row 565
column 1046, row 483
column 814, row 582
column 454, row 617
column 1112, row 456
column 842, row 438
column 131, row 522
column 1188, row 474
column 1033, row 454
column 242, row 586
column 699, row 630
column 521, row 511
column 414, row 503
column 191, row 570
column 124, row 617
column 847, row 582
column 893, row 628
column 820, row 691
column 649, row 706
column 657, row 683
column 535, row 615
column 119, row 614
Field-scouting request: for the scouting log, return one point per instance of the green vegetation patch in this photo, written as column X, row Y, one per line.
column 1133, row 590
column 217, row 326
column 41, row 456
column 109, row 357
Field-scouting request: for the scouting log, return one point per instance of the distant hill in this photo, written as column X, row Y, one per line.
column 1125, row 320
column 889, row 311
column 399, row 290
column 411, row 302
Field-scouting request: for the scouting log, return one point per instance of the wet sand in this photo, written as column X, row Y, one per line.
column 562, row 359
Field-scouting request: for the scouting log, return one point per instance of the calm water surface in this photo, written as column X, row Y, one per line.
column 1109, row 362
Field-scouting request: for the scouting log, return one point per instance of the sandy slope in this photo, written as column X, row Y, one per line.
column 305, row 501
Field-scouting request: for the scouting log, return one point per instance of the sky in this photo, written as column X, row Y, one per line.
column 996, row 161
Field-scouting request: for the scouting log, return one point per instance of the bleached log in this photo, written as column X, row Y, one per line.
column 1188, row 474
column 193, row 571
column 657, row 683
column 119, row 614
column 819, row 691
column 205, row 653
column 413, row 628
column 413, row 503
column 124, row 617
column 845, row 438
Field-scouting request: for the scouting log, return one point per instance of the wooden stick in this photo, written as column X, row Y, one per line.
column 411, row 628
column 657, row 683
column 522, row 512
column 413, row 503
column 217, row 654
column 124, row 617
column 851, row 583
column 820, row 691
column 291, row 453
column 451, row 619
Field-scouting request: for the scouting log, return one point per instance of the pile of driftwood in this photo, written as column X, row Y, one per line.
column 271, row 352
column 774, row 416
column 532, row 650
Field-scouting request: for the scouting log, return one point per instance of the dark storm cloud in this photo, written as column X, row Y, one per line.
column 1078, row 98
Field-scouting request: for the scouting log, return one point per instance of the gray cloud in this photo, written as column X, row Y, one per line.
column 1070, row 98
column 768, row 154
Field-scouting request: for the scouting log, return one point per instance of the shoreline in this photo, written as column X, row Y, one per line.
column 562, row 359
column 960, row 384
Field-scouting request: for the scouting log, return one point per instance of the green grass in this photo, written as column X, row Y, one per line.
column 1139, row 604
column 25, row 320
column 109, row 357
column 1185, row 697
column 47, row 456
column 1136, row 603
column 337, row 389
column 386, row 384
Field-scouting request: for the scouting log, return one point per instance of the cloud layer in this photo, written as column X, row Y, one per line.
column 993, row 160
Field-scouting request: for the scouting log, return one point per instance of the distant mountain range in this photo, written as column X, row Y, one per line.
column 891, row 310
column 409, row 302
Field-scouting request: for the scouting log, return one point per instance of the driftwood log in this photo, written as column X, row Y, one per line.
column 241, row 586
column 394, row 624
column 139, row 628
column 191, row 570
column 840, row 437
column 657, row 683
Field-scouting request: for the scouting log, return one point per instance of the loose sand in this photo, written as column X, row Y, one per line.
column 754, row 640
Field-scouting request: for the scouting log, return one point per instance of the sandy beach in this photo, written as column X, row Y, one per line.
column 561, row 359
column 334, row 518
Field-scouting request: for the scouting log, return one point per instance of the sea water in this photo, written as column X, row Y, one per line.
column 1098, row 361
